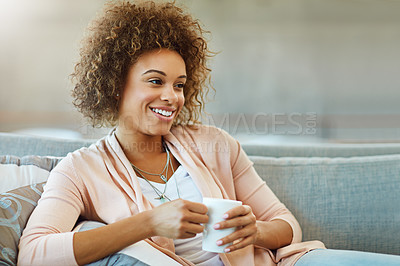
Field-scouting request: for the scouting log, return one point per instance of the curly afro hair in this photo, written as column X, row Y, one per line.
column 116, row 39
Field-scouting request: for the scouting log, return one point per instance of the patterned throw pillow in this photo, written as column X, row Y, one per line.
column 21, row 184
column 15, row 208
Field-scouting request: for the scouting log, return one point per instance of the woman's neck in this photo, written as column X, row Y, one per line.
column 138, row 147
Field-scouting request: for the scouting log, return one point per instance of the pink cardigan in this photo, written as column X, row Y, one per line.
column 99, row 183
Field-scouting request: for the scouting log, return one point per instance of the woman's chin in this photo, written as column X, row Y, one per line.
column 160, row 130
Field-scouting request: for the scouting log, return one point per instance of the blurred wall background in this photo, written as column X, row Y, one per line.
column 295, row 69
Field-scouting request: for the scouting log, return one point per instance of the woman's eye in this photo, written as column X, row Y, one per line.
column 155, row 81
column 180, row 85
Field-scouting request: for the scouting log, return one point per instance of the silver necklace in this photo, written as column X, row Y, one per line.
column 161, row 195
column 160, row 175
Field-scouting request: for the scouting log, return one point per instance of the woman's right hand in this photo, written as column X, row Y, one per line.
column 178, row 219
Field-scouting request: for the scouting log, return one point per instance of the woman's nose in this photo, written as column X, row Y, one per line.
column 169, row 94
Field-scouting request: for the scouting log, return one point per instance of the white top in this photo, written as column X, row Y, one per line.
column 189, row 248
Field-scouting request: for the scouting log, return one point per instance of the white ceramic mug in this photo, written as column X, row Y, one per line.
column 216, row 209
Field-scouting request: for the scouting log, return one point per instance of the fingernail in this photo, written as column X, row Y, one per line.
column 216, row 226
column 225, row 216
column 219, row 242
column 227, row 250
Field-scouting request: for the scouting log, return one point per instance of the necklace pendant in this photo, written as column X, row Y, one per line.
column 163, row 178
column 161, row 198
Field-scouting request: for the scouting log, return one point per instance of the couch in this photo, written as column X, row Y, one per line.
column 346, row 195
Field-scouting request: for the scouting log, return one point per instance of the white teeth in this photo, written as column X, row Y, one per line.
column 162, row 112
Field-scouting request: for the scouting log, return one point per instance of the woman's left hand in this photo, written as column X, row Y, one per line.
column 243, row 218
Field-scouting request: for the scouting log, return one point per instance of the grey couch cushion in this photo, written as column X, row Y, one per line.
column 21, row 145
column 321, row 150
column 347, row 203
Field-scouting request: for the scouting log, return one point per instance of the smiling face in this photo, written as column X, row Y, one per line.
column 153, row 94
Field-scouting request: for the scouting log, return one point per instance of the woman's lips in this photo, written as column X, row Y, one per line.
column 163, row 113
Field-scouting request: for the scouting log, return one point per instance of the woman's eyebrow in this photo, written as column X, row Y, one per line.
column 154, row 70
column 162, row 73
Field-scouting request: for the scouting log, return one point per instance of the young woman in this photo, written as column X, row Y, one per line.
column 143, row 70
